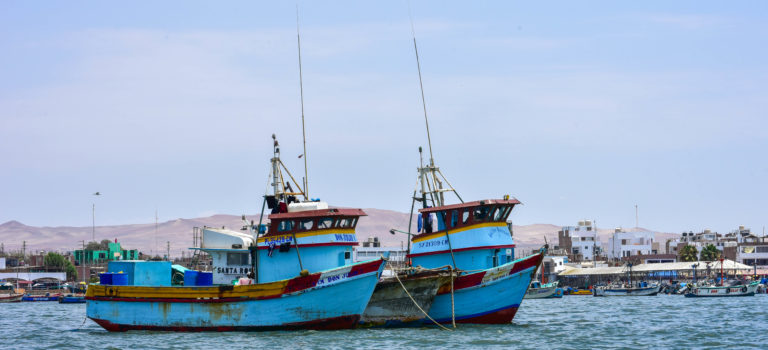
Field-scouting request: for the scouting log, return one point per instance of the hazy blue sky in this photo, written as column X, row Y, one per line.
column 579, row 109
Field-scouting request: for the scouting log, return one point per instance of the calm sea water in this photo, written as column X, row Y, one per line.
column 573, row 322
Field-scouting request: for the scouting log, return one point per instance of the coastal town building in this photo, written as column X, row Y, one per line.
column 580, row 242
column 113, row 252
column 551, row 266
column 625, row 244
column 739, row 245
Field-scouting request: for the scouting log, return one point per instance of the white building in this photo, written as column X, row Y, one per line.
column 624, row 244
column 580, row 242
column 396, row 254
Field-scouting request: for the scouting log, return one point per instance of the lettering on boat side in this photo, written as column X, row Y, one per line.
column 277, row 240
column 497, row 273
column 345, row 238
column 238, row 270
column 333, row 277
column 433, row 243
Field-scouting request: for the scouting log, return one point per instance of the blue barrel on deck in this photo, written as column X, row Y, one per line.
column 120, row 279
column 105, row 278
column 205, row 278
column 190, row 278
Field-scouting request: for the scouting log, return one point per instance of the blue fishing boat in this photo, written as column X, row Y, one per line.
column 292, row 270
column 472, row 239
column 72, row 299
column 46, row 297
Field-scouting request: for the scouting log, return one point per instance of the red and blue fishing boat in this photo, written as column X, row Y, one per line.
column 472, row 239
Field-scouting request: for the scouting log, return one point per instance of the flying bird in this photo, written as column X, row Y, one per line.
column 97, row 194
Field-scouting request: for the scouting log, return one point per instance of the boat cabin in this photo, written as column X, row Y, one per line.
column 475, row 233
column 325, row 240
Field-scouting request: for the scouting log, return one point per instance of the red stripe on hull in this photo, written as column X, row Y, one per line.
column 447, row 251
column 334, row 323
column 499, row 317
column 317, row 245
column 475, row 279
column 301, row 283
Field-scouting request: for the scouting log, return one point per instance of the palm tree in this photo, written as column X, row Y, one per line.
column 710, row 253
column 689, row 253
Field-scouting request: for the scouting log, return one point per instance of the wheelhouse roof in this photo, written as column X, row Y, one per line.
column 470, row 204
column 320, row 212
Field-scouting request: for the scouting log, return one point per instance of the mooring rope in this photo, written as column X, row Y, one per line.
column 422, row 310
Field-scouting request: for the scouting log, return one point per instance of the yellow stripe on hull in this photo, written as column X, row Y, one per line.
column 461, row 229
column 248, row 291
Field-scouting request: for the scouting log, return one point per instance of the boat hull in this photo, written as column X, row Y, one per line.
column 10, row 298
column 543, row 293
column 72, row 300
column 732, row 291
column 491, row 296
column 391, row 306
column 623, row 292
column 40, row 298
column 333, row 299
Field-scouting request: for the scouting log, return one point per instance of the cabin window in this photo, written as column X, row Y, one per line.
column 464, row 216
column 481, row 213
column 307, row 224
column 285, row 225
column 353, row 222
column 343, row 223
column 325, row 223
column 507, row 211
column 454, row 218
column 237, row 259
column 499, row 214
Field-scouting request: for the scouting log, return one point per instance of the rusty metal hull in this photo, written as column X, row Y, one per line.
column 390, row 306
column 332, row 299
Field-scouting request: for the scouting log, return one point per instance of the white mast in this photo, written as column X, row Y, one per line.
column 430, row 175
column 301, row 90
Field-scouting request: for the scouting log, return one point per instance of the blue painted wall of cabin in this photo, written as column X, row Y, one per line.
column 285, row 265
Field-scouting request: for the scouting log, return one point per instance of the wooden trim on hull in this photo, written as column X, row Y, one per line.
column 335, row 323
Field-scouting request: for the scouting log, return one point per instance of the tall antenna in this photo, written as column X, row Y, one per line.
column 637, row 218
column 421, row 86
column 430, row 174
column 301, row 90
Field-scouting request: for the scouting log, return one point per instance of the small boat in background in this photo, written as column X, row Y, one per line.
column 46, row 297
column 627, row 289
column 537, row 290
column 640, row 289
column 739, row 290
column 10, row 298
column 72, row 299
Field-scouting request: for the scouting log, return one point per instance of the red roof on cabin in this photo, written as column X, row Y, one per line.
column 470, row 204
column 320, row 212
